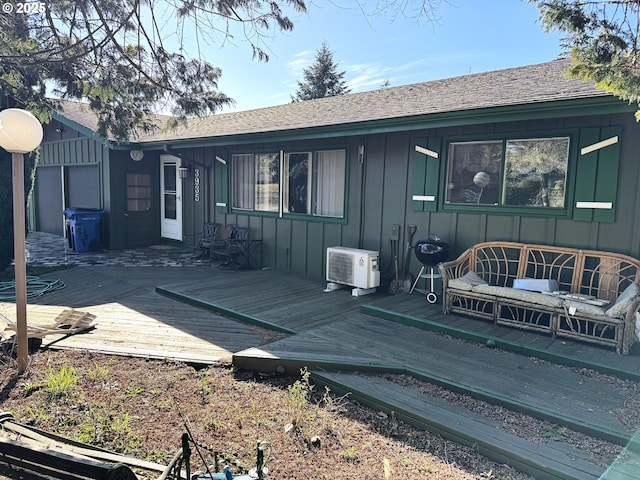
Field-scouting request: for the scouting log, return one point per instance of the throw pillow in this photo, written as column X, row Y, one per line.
column 619, row 309
column 467, row 281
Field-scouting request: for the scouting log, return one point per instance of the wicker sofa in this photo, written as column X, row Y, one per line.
column 480, row 283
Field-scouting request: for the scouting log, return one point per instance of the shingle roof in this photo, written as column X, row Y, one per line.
column 80, row 113
column 545, row 82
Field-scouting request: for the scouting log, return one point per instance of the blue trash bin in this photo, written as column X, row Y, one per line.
column 84, row 229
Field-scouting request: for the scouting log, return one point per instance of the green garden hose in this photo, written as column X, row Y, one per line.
column 35, row 288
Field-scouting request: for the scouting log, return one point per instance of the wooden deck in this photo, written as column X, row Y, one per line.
column 132, row 319
column 287, row 302
column 216, row 316
column 298, row 304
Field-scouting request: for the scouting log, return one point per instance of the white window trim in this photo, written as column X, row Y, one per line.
column 282, row 207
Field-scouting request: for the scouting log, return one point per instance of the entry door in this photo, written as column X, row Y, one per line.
column 171, row 198
column 139, row 217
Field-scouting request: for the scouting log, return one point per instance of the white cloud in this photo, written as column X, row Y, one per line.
column 366, row 76
column 277, row 98
column 300, row 62
column 363, row 77
column 304, row 53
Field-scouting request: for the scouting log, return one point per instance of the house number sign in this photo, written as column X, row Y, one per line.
column 196, row 185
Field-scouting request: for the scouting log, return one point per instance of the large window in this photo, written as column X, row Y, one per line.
column 330, row 183
column 474, row 172
column 267, row 193
column 256, row 182
column 242, row 168
column 303, row 183
column 535, row 172
column 524, row 173
column 298, row 183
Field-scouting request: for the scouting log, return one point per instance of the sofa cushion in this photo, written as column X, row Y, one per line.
column 624, row 301
column 582, row 307
column 516, row 294
column 467, row 281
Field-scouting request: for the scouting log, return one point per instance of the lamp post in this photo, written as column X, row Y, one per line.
column 20, row 133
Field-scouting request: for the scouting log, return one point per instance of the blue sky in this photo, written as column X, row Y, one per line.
column 471, row 36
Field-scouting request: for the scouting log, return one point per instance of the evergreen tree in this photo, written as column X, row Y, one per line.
column 322, row 78
column 603, row 40
column 111, row 54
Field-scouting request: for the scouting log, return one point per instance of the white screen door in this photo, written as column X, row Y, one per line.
column 171, row 198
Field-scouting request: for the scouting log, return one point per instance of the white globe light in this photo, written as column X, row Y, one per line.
column 20, row 131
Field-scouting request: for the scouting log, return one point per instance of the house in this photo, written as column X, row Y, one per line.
column 521, row 154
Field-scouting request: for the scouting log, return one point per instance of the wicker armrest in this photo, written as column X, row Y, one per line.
column 455, row 268
column 630, row 337
column 458, row 267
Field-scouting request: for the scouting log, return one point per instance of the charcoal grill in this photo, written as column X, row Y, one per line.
column 430, row 253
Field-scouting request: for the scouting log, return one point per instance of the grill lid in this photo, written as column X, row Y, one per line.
column 431, row 251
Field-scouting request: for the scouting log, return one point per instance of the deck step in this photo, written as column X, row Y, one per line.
column 554, row 460
column 482, row 336
column 516, row 382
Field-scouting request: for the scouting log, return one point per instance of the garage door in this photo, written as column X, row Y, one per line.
column 81, row 188
column 50, row 200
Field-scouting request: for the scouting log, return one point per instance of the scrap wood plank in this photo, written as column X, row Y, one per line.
column 27, row 446
column 67, row 322
column 51, row 464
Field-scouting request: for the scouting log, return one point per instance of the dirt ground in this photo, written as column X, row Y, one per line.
column 141, row 408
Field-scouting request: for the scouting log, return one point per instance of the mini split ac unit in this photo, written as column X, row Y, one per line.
column 351, row 266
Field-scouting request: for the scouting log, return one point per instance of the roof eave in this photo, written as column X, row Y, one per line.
column 601, row 105
column 82, row 129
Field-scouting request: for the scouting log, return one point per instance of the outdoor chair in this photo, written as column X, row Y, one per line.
column 218, row 248
column 206, row 240
column 236, row 250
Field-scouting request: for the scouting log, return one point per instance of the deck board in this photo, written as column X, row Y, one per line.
column 542, row 461
column 586, row 353
column 291, row 301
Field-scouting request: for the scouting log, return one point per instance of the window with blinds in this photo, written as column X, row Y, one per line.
column 311, row 183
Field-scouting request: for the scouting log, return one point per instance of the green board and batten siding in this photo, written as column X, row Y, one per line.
column 78, row 151
column 381, row 191
column 111, row 168
column 290, row 243
column 381, row 194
